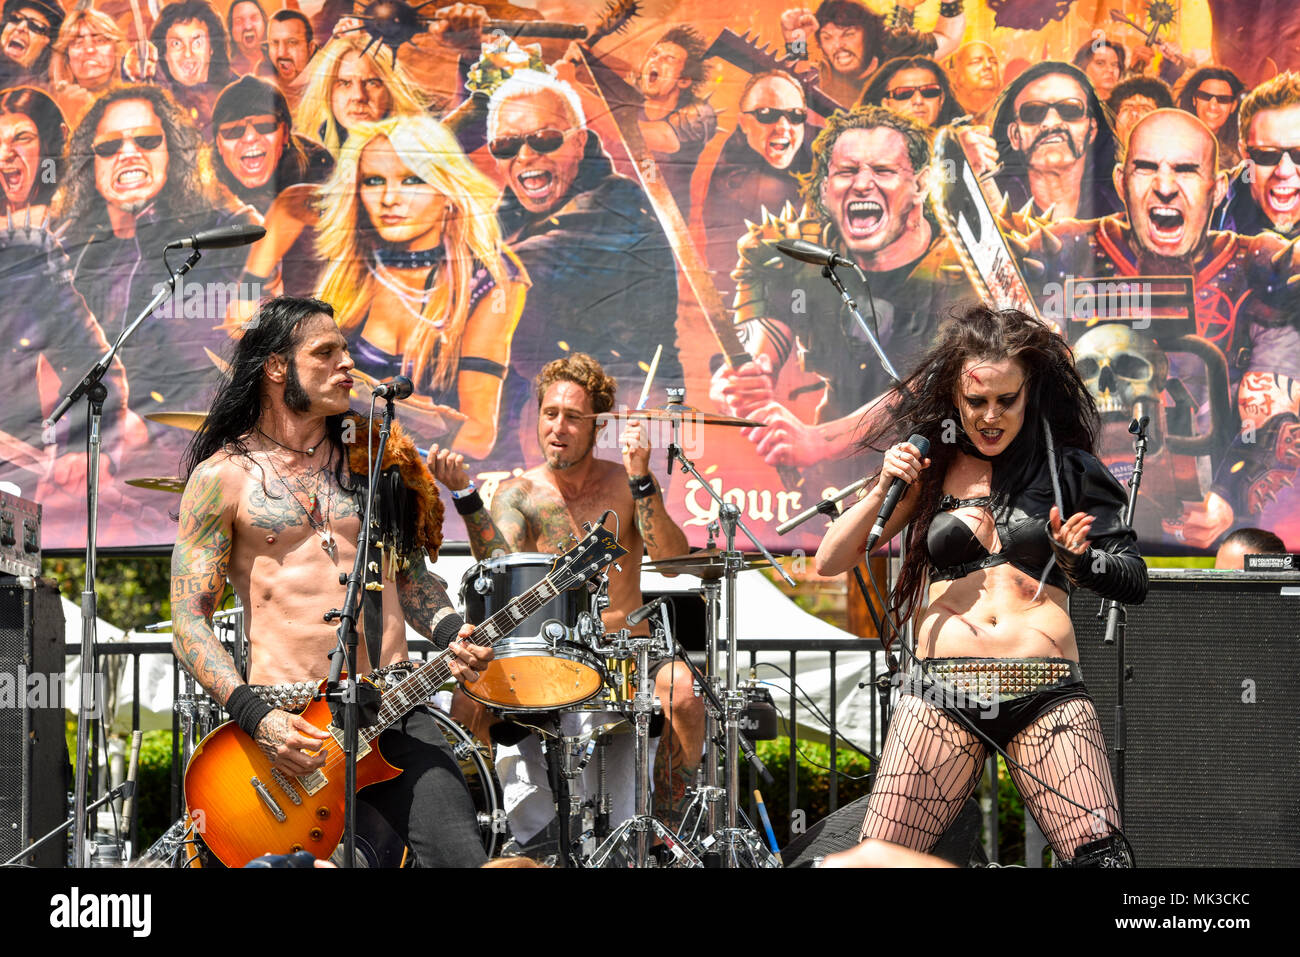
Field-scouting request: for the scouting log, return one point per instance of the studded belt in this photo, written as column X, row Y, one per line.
column 296, row 695
column 1000, row 678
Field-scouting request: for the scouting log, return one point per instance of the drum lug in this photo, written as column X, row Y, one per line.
column 483, row 584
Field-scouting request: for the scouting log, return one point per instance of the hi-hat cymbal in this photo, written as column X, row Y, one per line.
column 190, row 421
column 707, row 563
column 678, row 413
column 170, row 484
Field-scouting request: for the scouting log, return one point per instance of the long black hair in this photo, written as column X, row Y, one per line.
column 274, row 330
column 1228, row 132
column 927, row 405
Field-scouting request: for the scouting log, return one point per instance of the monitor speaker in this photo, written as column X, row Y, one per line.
column 1212, row 710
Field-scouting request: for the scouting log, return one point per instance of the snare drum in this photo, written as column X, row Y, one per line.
column 540, row 667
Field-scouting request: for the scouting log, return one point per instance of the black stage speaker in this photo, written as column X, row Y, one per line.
column 840, row 830
column 1213, row 714
column 33, row 750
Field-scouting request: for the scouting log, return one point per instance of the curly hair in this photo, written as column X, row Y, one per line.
column 927, row 404
column 694, row 69
column 860, row 118
column 189, row 167
column 195, row 11
column 583, row 371
column 874, row 92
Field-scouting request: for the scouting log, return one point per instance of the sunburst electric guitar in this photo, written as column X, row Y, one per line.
column 243, row 807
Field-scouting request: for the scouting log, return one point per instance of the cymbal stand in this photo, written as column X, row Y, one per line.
column 701, row 820
column 737, row 845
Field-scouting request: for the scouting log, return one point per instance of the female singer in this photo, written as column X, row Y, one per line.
column 1013, row 430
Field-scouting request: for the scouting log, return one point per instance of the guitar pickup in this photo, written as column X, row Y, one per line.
column 268, row 800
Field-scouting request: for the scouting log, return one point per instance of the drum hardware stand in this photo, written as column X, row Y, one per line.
column 123, row 790
column 1117, row 617
column 637, row 829
column 733, row 842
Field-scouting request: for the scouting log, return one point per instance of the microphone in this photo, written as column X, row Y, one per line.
column 823, row 507
column 893, row 495
column 222, row 237
column 807, row 252
column 642, row 613
column 398, row 387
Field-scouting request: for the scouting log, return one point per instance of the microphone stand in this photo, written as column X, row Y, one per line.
column 733, row 836
column 92, row 388
column 828, row 271
column 125, row 790
column 1117, row 618
column 351, row 692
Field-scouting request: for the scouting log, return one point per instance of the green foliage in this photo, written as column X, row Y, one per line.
column 153, row 794
column 814, row 783
column 130, row 592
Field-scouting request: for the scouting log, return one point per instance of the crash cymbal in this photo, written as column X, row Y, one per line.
column 706, row 563
column 190, row 421
column 677, row 413
column 174, row 485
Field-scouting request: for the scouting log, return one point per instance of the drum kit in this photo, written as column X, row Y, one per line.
column 561, row 661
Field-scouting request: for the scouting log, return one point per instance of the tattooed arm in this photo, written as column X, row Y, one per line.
column 662, row 536
column 428, row 608
column 200, row 561
column 199, row 565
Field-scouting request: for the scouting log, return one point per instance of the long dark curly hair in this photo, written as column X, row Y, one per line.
column 275, row 329
column 927, row 405
column 189, row 168
column 192, row 11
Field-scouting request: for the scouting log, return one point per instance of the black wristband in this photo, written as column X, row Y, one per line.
column 950, row 8
column 642, row 486
column 469, row 504
column 445, row 631
column 246, row 709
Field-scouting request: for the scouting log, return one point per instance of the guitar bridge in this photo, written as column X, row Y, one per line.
column 268, row 800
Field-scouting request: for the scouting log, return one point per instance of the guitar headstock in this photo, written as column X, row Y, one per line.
column 596, row 552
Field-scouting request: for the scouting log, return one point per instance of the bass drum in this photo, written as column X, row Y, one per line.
column 540, row 667
column 479, row 768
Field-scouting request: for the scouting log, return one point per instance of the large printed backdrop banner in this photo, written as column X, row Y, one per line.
column 480, row 189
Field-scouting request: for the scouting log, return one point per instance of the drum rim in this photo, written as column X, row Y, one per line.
column 486, row 773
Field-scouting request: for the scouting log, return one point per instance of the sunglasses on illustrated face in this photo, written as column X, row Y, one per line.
column 33, row 26
column 1272, row 155
column 539, row 141
column 931, row 91
column 1035, row 111
column 144, row 142
column 1223, row 99
column 768, row 115
column 236, row 131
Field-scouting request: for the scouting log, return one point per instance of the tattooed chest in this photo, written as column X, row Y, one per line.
column 278, row 507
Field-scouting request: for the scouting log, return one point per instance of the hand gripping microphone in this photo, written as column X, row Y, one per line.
column 896, row 488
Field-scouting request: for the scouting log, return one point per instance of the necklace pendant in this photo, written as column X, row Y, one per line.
column 327, row 544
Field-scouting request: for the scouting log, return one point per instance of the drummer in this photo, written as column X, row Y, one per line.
column 539, row 510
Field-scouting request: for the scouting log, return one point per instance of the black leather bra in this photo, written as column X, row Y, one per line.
column 1021, row 520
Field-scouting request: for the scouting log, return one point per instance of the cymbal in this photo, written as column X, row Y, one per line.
column 169, row 484
column 190, row 421
column 707, row 563
column 677, row 413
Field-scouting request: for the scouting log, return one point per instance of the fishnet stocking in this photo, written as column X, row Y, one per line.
column 929, row 769
column 1065, row 748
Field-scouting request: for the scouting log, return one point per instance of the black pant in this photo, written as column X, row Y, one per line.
column 428, row 804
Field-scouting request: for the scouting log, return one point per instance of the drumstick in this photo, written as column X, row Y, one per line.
column 650, row 376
